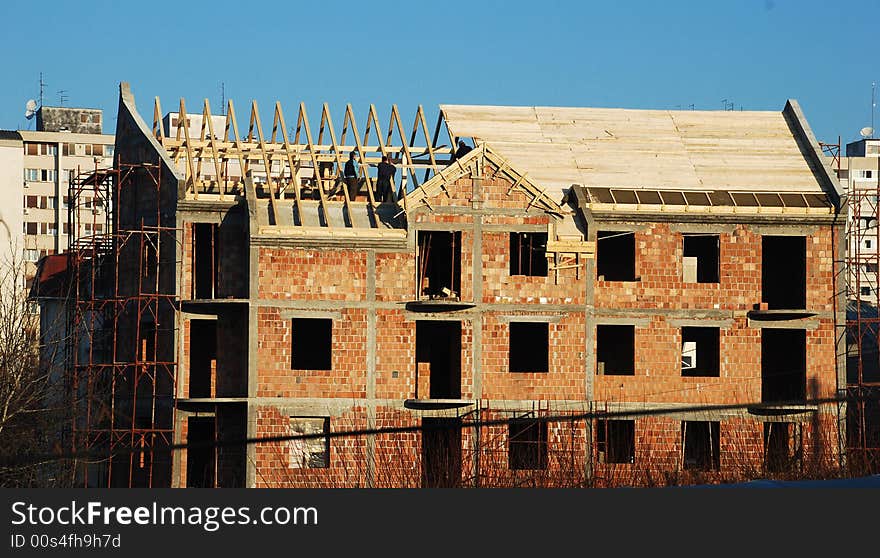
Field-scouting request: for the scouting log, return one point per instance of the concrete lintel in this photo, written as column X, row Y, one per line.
column 530, row 307
column 696, row 322
column 319, row 305
column 479, row 308
column 185, row 414
column 308, row 313
column 194, row 316
column 622, row 320
column 702, row 228
column 460, row 210
column 789, row 230
column 526, row 405
column 437, row 316
column 208, row 206
column 538, row 318
column 515, row 228
column 317, row 407
column 620, row 226
column 199, row 217
column 674, row 411
column 810, row 323
column 670, row 313
column 443, row 226
column 383, row 244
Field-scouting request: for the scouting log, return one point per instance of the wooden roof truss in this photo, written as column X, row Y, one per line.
column 473, row 164
column 297, row 164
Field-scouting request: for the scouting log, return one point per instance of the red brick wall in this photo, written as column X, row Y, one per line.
column 399, row 455
column 276, row 378
column 658, row 452
column 347, row 465
column 183, row 365
column 395, row 276
column 657, row 345
column 658, row 369
column 301, row 274
column 299, row 277
column 565, row 378
column 659, row 266
column 499, row 286
column 566, row 454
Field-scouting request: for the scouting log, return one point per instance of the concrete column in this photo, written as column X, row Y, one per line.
column 371, row 368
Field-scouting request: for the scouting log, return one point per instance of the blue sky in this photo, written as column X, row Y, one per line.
column 634, row 54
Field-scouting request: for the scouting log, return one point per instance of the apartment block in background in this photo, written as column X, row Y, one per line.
column 36, row 168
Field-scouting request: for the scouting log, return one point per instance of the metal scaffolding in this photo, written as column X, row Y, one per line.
column 862, row 320
column 122, row 323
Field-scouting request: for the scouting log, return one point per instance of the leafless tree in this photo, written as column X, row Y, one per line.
column 29, row 404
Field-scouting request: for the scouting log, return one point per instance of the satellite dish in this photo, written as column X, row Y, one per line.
column 866, row 132
column 30, row 108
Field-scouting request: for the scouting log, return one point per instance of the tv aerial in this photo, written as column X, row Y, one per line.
column 30, row 109
column 867, row 132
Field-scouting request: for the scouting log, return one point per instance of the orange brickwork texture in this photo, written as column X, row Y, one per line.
column 311, row 274
column 277, row 378
column 395, row 276
column 183, row 365
column 186, row 276
column 347, row 461
column 659, row 452
column 657, row 345
column 499, row 286
column 660, row 283
column 336, row 280
column 396, row 352
column 565, row 378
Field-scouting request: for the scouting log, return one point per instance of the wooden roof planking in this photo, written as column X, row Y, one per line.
column 748, row 151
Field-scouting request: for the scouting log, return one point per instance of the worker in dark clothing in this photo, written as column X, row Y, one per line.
column 350, row 174
column 463, row 149
column 385, row 182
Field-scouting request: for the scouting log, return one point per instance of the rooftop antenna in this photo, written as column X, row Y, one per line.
column 62, row 96
column 873, row 106
column 867, row 132
column 223, row 97
column 42, row 86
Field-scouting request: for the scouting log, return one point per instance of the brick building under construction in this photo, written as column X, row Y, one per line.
column 577, row 262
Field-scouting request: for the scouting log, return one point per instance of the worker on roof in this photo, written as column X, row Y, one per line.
column 463, row 149
column 385, row 182
column 350, row 174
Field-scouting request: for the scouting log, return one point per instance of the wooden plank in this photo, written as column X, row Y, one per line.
column 363, row 168
column 290, row 162
column 190, row 171
column 207, row 117
column 572, row 247
column 255, row 118
column 304, row 118
column 158, row 129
